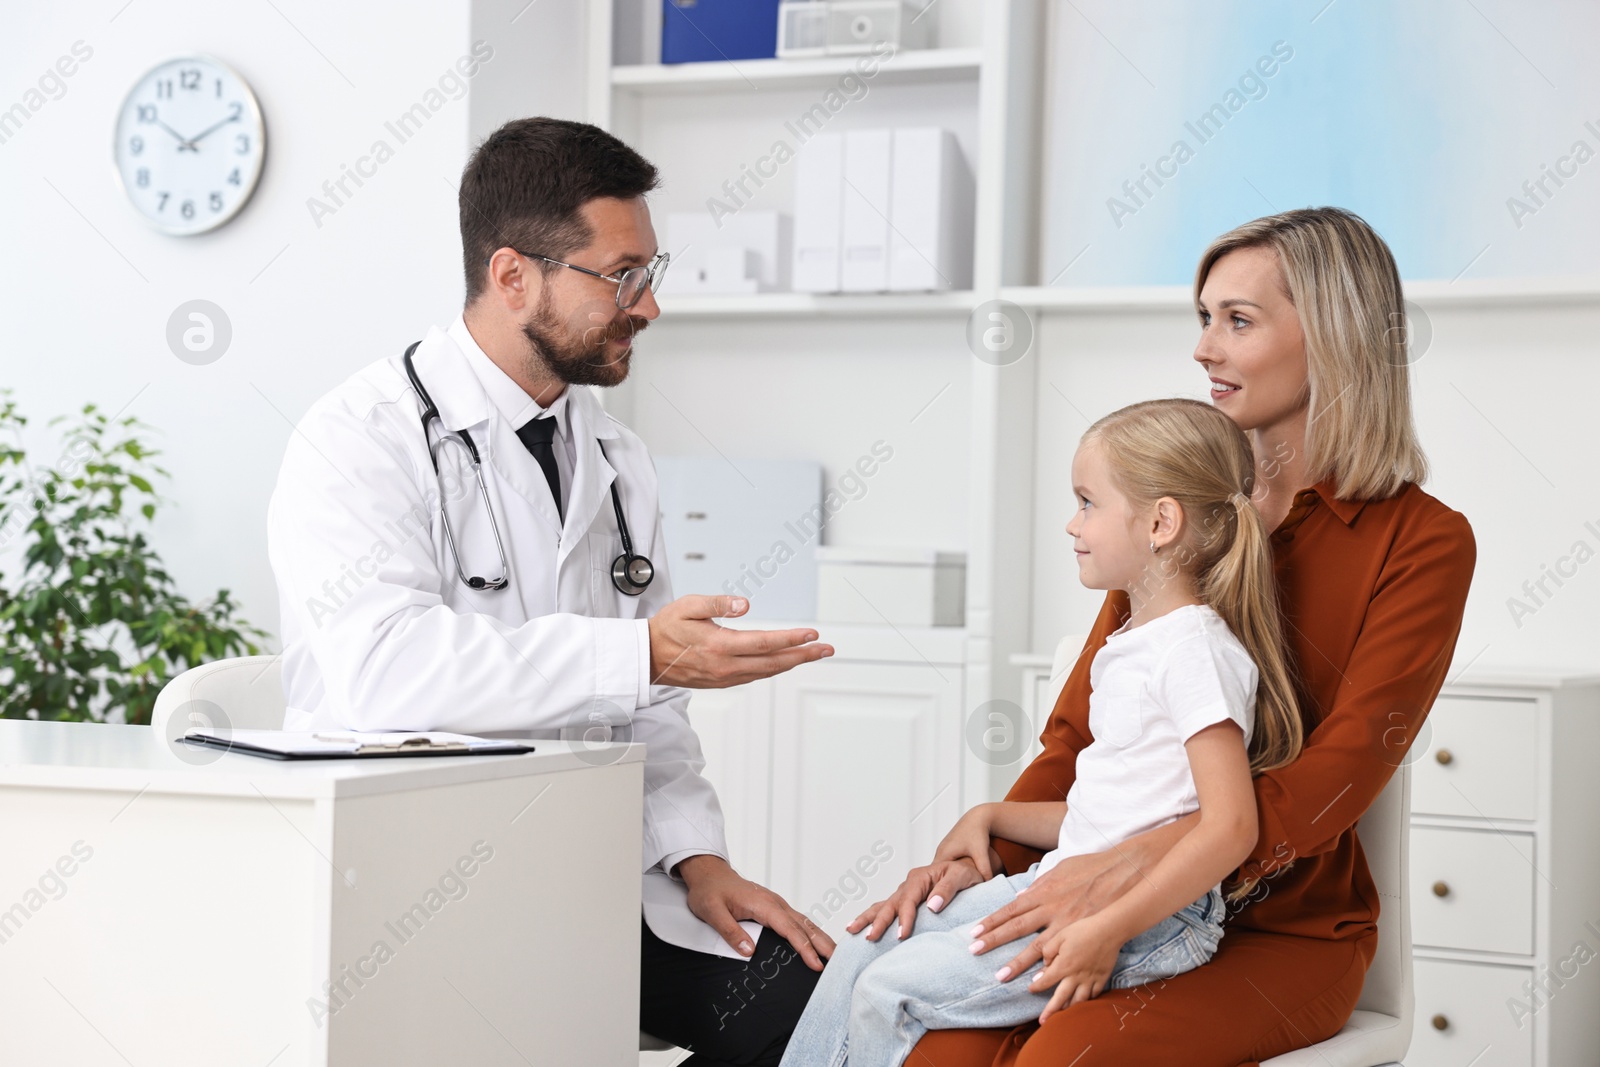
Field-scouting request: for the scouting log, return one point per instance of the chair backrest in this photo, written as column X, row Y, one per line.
column 244, row 693
column 1385, row 836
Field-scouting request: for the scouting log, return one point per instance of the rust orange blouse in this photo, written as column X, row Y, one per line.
column 1372, row 594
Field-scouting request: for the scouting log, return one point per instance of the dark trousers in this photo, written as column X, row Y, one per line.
column 729, row 1013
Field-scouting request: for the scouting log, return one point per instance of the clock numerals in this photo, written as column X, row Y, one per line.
column 216, row 202
column 189, row 79
column 243, row 141
column 147, row 112
column 142, row 179
column 161, row 205
column 136, row 145
column 233, row 179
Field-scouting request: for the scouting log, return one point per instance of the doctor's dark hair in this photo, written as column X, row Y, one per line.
column 1193, row 454
column 525, row 184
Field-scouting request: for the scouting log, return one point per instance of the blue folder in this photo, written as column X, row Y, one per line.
column 695, row 31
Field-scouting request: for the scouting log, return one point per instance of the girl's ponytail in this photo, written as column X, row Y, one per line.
column 1241, row 588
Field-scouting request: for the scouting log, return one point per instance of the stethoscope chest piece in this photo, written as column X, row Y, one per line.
column 631, row 574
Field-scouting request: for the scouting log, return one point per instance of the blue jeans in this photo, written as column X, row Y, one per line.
column 875, row 1000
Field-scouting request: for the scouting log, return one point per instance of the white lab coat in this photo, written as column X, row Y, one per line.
column 380, row 633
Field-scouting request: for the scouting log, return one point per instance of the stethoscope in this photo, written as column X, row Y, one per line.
column 631, row 574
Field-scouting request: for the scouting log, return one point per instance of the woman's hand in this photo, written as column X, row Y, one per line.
column 970, row 839
column 1073, row 890
column 1080, row 960
column 936, row 883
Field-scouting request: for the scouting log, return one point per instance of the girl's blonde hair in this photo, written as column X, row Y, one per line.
column 1194, row 454
column 1343, row 282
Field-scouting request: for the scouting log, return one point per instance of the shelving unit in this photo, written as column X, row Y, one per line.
column 962, row 427
column 911, row 67
column 827, row 305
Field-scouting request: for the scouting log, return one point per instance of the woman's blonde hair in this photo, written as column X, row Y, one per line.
column 1191, row 452
column 1342, row 280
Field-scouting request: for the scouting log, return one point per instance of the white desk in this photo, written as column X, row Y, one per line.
column 157, row 912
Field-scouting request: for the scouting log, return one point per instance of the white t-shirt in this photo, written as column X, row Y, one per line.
column 1152, row 688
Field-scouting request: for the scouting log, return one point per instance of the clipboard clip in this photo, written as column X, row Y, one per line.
column 403, row 745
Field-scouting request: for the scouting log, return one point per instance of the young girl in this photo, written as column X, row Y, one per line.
column 1189, row 698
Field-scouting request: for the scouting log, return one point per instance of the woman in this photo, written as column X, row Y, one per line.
column 1302, row 335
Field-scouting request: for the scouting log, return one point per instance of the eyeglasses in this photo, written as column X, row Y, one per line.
column 631, row 283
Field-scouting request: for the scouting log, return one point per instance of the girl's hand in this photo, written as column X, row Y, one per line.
column 970, row 839
column 1080, row 959
column 936, row 883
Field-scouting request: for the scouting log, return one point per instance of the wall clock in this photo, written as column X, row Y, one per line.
column 190, row 145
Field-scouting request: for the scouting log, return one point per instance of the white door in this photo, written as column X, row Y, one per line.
column 866, row 779
column 735, row 728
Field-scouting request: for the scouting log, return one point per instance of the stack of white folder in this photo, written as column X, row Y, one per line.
column 882, row 211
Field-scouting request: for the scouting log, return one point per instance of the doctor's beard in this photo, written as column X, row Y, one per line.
column 581, row 352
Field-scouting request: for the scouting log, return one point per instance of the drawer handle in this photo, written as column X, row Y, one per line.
column 1441, row 889
column 1441, row 1023
column 1445, row 758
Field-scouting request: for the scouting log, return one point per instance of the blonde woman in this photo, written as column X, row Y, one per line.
column 1302, row 335
column 1191, row 695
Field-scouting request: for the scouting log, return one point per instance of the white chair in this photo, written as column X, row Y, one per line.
column 247, row 689
column 249, row 692
column 1379, row 1031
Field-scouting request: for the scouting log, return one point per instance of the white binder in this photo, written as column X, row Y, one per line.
column 864, row 266
column 930, row 239
column 818, row 197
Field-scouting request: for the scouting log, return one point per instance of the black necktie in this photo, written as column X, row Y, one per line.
column 536, row 436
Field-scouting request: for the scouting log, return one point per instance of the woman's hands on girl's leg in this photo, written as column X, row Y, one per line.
column 941, row 880
column 1075, row 889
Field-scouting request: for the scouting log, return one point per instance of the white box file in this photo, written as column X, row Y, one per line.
column 894, row 586
column 745, row 527
column 864, row 257
column 818, row 205
column 930, row 236
column 709, row 254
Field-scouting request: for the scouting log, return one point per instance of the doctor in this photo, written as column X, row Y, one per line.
column 462, row 541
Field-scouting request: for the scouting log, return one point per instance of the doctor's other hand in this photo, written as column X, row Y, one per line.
column 721, row 898
column 688, row 648
column 936, row 883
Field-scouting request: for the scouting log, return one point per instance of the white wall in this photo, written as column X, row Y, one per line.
column 1504, row 398
column 86, row 287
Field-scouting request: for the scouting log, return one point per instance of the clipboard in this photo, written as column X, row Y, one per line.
column 350, row 744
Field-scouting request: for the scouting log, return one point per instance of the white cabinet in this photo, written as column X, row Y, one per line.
column 838, row 777
column 1505, row 874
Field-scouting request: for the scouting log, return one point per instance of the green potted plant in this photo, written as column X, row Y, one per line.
column 91, row 624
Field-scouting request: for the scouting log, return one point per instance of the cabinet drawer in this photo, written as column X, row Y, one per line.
column 1483, row 760
column 1486, row 879
column 1471, row 1001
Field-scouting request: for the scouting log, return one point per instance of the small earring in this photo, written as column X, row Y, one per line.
column 1153, row 549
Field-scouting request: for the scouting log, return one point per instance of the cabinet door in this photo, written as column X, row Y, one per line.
column 866, row 779
column 735, row 728
column 1483, row 761
column 1471, row 1013
column 1472, row 889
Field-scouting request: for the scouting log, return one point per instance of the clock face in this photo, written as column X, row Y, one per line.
column 190, row 145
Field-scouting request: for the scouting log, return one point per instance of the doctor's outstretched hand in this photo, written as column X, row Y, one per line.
column 688, row 648
column 721, row 898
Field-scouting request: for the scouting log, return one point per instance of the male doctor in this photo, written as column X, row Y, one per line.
column 415, row 598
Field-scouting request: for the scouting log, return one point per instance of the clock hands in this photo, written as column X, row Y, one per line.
column 184, row 145
column 214, row 127
column 189, row 144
